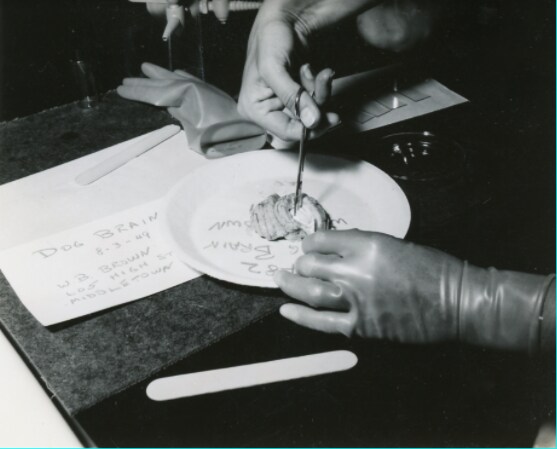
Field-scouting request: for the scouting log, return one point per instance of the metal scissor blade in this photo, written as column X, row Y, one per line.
column 301, row 153
column 300, row 177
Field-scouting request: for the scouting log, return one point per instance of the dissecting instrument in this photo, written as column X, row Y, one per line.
column 301, row 152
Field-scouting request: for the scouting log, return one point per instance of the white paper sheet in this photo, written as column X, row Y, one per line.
column 70, row 250
column 101, row 264
column 51, row 201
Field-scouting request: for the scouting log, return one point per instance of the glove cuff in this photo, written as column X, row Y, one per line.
column 502, row 309
column 547, row 325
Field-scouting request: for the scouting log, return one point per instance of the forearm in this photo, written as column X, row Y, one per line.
column 308, row 16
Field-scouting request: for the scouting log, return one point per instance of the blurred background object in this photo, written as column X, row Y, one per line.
column 39, row 38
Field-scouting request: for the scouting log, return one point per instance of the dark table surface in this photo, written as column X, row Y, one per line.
column 498, row 210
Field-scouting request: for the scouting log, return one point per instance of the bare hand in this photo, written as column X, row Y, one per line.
column 278, row 42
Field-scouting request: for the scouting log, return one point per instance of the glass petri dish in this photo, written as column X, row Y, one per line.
column 419, row 156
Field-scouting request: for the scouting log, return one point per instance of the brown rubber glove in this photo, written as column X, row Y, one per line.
column 209, row 116
column 377, row 286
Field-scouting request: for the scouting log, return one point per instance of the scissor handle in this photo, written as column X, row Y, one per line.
column 297, row 102
column 297, row 111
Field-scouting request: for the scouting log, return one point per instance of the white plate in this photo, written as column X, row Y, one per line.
column 207, row 215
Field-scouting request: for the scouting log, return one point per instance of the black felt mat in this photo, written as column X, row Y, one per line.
column 86, row 361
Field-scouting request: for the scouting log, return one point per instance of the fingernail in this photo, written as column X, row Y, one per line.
column 335, row 121
column 308, row 117
column 330, row 82
column 288, row 311
column 307, row 71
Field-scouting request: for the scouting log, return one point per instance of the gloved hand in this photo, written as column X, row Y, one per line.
column 399, row 25
column 208, row 115
column 377, row 286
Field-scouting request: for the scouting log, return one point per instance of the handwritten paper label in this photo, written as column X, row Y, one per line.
column 111, row 261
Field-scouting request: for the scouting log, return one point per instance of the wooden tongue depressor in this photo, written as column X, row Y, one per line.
column 204, row 382
column 144, row 144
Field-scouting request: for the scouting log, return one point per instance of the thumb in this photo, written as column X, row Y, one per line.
column 273, row 61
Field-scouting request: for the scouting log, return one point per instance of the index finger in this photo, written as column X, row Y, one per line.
column 285, row 88
column 333, row 242
column 323, row 86
column 272, row 63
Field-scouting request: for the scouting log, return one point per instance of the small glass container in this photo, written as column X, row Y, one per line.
column 85, row 83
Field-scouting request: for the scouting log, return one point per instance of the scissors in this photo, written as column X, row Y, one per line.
column 301, row 152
